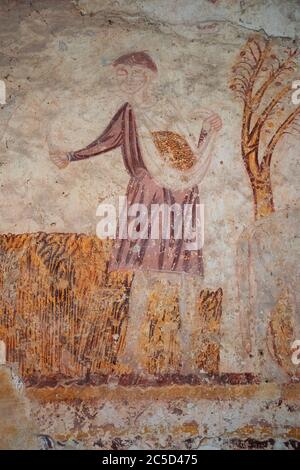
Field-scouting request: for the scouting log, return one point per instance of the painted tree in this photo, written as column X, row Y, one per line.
column 258, row 81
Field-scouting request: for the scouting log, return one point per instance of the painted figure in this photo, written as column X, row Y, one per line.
column 166, row 162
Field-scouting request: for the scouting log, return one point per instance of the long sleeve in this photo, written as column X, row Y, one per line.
column 111, row 138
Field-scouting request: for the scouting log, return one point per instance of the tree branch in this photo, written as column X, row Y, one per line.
column 266, row 161
column 267, row 111
column 287, row 65
column 261, row 59
column 247, row 113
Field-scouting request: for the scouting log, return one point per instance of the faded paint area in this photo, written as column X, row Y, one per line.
column 91, row 358
column 183, row 417
column 268, row 279
column 17, row 428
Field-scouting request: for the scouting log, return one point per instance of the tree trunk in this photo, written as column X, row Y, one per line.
column 263, row 196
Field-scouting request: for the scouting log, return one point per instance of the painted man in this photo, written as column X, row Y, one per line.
column 165, row 163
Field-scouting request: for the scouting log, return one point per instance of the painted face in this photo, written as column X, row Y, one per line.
column 132, row 78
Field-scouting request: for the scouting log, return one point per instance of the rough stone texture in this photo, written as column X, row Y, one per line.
column 55, row 60
column 268, row 280
column 182, row 417
column 17, row 428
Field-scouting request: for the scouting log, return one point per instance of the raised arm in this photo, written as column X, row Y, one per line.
column 203, row 148
column 111, row 138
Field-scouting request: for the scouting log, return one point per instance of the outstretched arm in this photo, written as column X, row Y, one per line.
column 110, row 139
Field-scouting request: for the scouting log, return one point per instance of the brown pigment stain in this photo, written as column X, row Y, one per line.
column 281, row 332
column 205, row 341
column 171, row 392
column 159, row 342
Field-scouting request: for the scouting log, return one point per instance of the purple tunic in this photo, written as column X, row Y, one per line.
column 144, row 254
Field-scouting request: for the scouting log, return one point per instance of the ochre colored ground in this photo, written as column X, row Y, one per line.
column 63, row 316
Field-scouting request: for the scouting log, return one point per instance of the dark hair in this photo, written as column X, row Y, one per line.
column 136, row 58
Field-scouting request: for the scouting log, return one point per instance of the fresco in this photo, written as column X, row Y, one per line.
column 171, row 322
column 65, row 279
column 182, row 165
column 269, row 115
column 259, row 69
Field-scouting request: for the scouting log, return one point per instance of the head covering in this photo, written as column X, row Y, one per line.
column 136, row 58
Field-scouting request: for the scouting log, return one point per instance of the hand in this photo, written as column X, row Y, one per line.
column 60, row 159
column 213, row 122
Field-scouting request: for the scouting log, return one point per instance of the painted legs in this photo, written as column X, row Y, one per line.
column 161, row 324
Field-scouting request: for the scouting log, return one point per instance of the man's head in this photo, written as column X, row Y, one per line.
column 134, row 71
